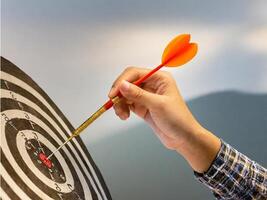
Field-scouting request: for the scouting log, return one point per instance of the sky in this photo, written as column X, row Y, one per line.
column 75, row 49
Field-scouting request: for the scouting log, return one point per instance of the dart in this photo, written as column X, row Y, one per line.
column 178, row 52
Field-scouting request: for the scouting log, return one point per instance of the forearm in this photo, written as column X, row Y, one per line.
column 227, row 172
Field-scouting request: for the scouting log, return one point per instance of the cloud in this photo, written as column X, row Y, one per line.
column 80, row 47
column 256, row 40
column 120, row 11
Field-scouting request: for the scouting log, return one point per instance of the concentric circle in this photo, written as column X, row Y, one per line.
column 31, row 127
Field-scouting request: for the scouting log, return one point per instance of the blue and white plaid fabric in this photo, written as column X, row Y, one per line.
column 233, row 175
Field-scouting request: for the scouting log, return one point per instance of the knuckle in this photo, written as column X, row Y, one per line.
column 138, row 94
column 113, row 85
column 167, row 77
column 166, row 74
column 169, row 145
column 161, row 104
column 129, row 102
column 129, row 69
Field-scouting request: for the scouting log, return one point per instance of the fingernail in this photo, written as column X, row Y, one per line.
column 124, row 116
column 125, row 85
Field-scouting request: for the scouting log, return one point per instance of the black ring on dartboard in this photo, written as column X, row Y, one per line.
column 14, row 151
column 8, row 189
column 17, row 89
column 11, row 69
column 9, row 105
column 26, row 94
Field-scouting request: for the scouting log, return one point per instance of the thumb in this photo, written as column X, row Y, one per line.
column 136, row 94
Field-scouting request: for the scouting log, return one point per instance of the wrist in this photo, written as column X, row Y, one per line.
column 199, row 149
column 190, row 138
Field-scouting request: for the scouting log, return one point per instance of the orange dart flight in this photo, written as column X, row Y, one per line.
column 178, row 52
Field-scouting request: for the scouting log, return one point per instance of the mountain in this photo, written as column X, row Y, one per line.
column 136, row 166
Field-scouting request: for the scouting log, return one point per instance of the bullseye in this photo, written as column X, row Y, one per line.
column 45, row 160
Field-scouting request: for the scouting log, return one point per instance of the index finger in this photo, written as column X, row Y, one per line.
column 130, row 74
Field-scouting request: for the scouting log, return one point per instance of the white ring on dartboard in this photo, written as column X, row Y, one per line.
column 3, row 194
column 20, row 115
column 24, row 85
column 25, row 155
column 22, row 99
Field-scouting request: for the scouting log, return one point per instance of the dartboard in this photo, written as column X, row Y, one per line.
column 32, row 127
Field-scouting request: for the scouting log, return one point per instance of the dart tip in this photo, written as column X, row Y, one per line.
column 72, row 136
column 49, row 156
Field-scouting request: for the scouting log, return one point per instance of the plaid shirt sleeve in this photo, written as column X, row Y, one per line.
column 232, row 175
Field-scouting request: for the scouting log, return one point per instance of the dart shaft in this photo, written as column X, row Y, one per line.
column 83, row 126
column 104, row 108
column 60, row 146
column 89, row 121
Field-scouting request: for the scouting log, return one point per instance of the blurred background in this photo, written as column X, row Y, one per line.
column 75, row 49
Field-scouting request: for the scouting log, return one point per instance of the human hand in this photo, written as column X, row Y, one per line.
column 158, row 102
